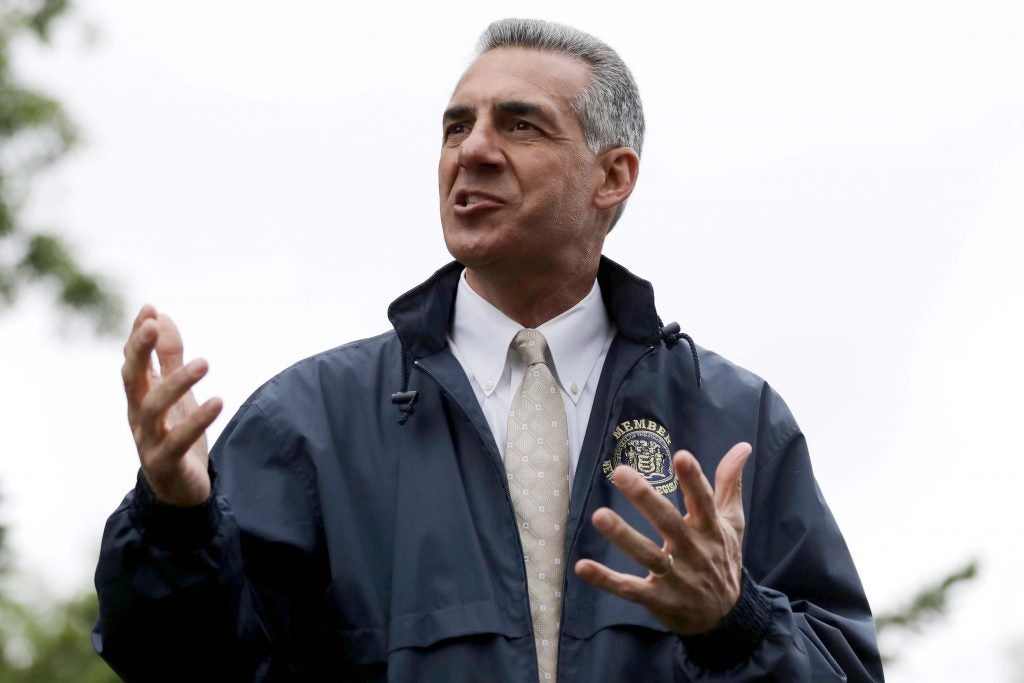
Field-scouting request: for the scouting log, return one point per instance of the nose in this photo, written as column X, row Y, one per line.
column 481, row 149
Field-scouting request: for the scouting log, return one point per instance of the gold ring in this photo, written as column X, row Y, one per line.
column 667, row 569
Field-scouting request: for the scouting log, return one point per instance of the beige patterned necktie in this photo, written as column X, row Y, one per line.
column 537, row 463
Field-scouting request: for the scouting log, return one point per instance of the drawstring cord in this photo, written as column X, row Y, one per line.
column 670, row 336
column 405, row 399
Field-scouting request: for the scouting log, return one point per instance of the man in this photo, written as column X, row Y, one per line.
column 406, row 507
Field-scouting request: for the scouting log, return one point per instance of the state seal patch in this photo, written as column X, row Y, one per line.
column 644, row 446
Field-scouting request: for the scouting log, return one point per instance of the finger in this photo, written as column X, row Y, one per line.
column 729, row 483
column 643, row 550
column 697, row 493
column 147, row 312
column 626, row 586
column 658, row 510
column 188, row 431
column 169, row 345
column 172, row 388
column 137, row 352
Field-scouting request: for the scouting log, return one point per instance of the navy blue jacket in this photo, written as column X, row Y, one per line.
column 341, row 545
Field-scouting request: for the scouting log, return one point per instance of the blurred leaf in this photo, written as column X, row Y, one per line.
column 35, row 132
column 52, row 647
column 6, row 219
column 35, row 16
column 925, row 606
column 42, row 19
column 5, row 559
column 47, row 258
column 8, row 285
column 21, row 108
column 48, row 642
column 928, row 603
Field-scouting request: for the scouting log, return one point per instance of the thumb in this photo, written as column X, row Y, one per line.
column 729, row 484
column 170, row 348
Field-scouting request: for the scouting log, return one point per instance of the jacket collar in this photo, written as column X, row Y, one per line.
column 422, row 316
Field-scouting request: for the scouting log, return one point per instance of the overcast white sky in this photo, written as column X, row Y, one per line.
column 830, row 195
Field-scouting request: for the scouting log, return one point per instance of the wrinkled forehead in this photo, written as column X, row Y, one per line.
column 522, row 73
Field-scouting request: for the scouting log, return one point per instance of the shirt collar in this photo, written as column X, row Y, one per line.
column 575, row 338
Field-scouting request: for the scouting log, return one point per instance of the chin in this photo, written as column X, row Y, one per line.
column 471, row 247
column 473, row 256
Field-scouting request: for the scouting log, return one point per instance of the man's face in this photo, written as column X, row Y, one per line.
column 516, row 178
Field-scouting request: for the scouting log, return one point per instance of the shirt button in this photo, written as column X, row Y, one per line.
column 488, row 385
column 574, row 388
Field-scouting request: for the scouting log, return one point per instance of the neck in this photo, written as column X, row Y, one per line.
column 532, row 300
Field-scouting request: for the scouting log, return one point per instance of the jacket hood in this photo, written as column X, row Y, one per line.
column 422, row 316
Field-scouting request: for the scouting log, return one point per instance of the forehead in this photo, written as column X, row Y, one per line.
column 515, row 73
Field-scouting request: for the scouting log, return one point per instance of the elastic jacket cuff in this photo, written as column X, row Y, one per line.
column 170, row 526
column 739, row 633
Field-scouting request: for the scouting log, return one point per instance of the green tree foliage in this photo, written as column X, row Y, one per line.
column 50, row 645
column 46, row 641
column 35, row 133
column 41, row 640
column 924, row 607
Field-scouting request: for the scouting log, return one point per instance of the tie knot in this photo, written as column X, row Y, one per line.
column 531, row 345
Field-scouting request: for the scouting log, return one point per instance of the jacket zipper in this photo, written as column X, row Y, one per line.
column 496, row 459
column 590, row 485
column 504, row 479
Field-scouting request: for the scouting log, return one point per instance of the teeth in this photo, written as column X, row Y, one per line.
column 472, row 199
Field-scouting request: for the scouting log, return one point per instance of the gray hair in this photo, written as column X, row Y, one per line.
column 609, row 109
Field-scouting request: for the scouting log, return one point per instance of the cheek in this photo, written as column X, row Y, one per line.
column 579, row 186
column 447, row 169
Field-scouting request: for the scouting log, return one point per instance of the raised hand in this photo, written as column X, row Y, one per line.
column 168, row 424
column 695, row 574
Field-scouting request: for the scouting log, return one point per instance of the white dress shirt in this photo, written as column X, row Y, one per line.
column 578, row 339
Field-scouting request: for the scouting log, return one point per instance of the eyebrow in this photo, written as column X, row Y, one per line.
column 452, row 113
column 517, row 107
column 524, row 109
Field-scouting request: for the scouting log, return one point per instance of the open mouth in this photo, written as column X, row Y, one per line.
column 470, row 198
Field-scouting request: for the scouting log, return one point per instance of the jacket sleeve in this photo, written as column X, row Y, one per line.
column 179, row 599
column 802, row 615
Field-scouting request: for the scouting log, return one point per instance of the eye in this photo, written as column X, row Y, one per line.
column 522, row 125
column 455, row 130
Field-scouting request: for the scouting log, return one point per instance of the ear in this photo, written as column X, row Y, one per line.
column 616, row 171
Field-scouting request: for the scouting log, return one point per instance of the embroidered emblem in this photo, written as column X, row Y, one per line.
column 644, row 446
